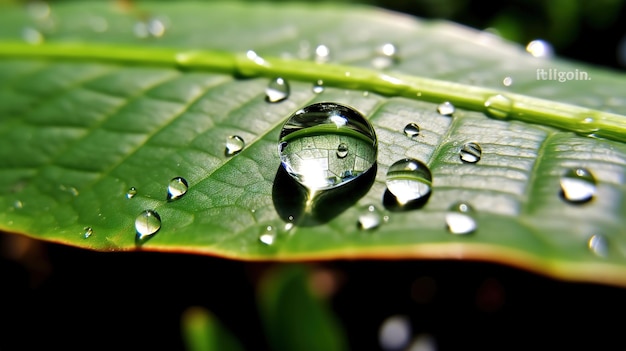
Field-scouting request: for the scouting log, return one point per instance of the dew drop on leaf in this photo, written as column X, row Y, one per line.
column 318, row 87
column 460, row 218
column 87, row 232
column 268, row 234
column 342, row 150
column 507, row 81
column 386, row 55
column 446, row 108
column 147, row 223
column 409, row 181
column 277, row 90
column 234, row 144
column 132, row 191
column 309, row 140
column 411, row 130
column 470, row 152
column 498, row 106
column 176, row 188
column 578, row 185
column 540, row 48
column 370, row 218
column 599, row 245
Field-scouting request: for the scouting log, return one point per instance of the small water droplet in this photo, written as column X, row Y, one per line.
column 460, row 219
column 386, row 56
column 471, row 152
column 140, row 29
column 370, row 218
column 99, row 24
column 409, row 181
column 540, row 48
column 322, row 53
column 342, row 150
column 277, row 90
column 318, row 87
column 234, row 144
column 32, row 36
column 18, row 204
column 268, row 234
column 147, row 223
column 578, row 185
column 132, row 191
column 176, row 188
column 498, row 106
column 507, row 81
column 87, row 231
column 156, row 27
column 446, row 108
column 599, row 245
column 309, row 141
column 411, row 130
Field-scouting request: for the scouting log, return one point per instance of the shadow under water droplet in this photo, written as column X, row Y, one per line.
column 391, row 202
column 290, row 198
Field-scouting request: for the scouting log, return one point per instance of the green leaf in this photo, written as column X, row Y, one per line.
column 203, row 332
column 293, row 317
column 88, row 110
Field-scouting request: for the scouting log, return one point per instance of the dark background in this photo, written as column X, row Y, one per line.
column 58, row 297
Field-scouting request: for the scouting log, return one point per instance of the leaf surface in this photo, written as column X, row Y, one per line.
column 91, row 109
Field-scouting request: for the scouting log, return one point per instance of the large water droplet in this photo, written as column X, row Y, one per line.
column 309, row 140
column 498, row 106
column 87, row 232
column 386, row 56
column 176, row 188
column 277, row 90
column 234, row 144
column 147, row 223
column 540, row 48
column 132, row 191
column 322, row 53
column 411, row 130
column 446, row 108
column 599, row 245
column 578, row 185
column 460, row 218
column 370, row 218
column 268, row 234
column 470, row 152
column 409, row 181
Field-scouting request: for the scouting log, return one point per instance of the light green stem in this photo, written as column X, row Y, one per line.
column 573, row 118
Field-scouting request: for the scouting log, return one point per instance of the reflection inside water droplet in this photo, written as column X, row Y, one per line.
column 147, row 223
column 578, row 185
column 318, row 87
column 460, row 219
column 370, row 218
column 599, row 245
column 277, row 90
column 411, row 130
column 132, row 191
column 446, row 108
column 409, row 184
column 311, row 150
column 470, row 152
column 234, row 144
column 176, row 188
